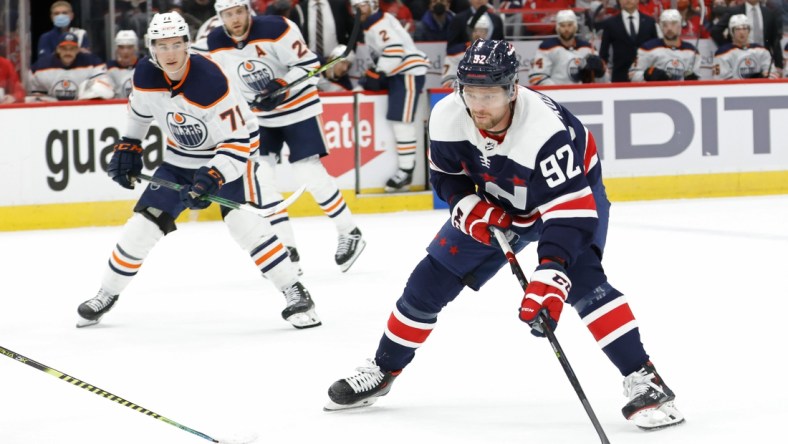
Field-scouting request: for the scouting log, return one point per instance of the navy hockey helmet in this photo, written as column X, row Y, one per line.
column 489, row 63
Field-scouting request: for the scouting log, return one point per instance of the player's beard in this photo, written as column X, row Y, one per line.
column 487, row 120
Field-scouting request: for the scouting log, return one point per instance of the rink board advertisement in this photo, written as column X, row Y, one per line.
column 706, row 139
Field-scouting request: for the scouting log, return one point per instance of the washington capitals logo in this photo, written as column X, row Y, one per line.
column 188, row 131
column 255, row 74
column 65, row 90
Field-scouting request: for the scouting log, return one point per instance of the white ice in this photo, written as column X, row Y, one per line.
column 197, row 337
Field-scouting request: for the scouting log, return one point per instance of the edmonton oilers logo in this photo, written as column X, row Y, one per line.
column 675, row 69
column 746, row 67
column 126, row 88
column 65, row 90
column 188, row 131
column 255, row 74
column 573, row 70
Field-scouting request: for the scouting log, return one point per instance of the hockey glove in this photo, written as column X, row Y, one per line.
column 206, row 181
column 547, row 290
column 126, row 162
column 372, row 80
column 266, row 100
column 691, row 76
column 655, row 74
column 474, row 217
column 595, row 65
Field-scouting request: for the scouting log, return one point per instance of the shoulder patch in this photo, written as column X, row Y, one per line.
column 652, row 44
column 268, row 27
column 206, row 83
column 148, row 76
column 550, row 43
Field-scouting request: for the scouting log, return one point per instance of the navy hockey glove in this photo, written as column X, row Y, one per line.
column 372, row 80
column 655, row 74
column 547, row 290
column 754, row 75
column 126, row 162
column 474, row 217
column 206, row 181
column 266, row 100
column 691, row 76
column 594, row 65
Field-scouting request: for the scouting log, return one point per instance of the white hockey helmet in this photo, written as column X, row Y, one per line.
column 163, row 26
column 566, row 15
column 737, row 21
column 670, row 15
column 373, row 4
column 126, row 37
column 336, row 52
column 484, row 22
column 221, row 5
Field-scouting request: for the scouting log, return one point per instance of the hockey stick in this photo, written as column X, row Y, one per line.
column 262, row 212
column 559, row 352
column 107, row 395
column 351, row 44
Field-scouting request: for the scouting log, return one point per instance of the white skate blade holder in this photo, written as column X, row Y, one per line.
column 331, row 406
column 663, row 416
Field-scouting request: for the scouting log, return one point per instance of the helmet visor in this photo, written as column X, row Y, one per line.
column 484, row 97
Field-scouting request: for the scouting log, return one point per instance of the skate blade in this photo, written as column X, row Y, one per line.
column 666, row 415
column 307, row 319
column 82, row 322
column 346, row 266
column 332, row 406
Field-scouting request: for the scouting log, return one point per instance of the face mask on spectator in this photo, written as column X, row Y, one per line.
column 61, row 20
column 439, row 9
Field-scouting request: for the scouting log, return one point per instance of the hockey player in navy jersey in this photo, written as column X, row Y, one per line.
column 211, row 135
column 400, row 68
column 508, row 157
column 666, row 58
column 262, row 55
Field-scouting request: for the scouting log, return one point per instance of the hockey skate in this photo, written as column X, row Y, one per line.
column 361, row 389
column 651, row 403
column 300, row 310
column 295, row 258
column 399, row 181
column 91, row 311
column 349, row 248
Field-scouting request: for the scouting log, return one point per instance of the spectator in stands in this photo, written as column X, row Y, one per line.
column 62, row 15
column 336, row 78
column 121, row 69
column 201, row 10
column 653, row 8
column 401, row 12
column 434, row 25
column 419, row 7
column 767, row 28
column 58, row 76
column 11, row 89
column 566, row 59
column 669, row 57
column 335, row 19
column 624, row 33
column 462, row 26
column 741, row 59
column 691, row 24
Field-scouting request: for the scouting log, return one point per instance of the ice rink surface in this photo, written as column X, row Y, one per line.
column 197, row 337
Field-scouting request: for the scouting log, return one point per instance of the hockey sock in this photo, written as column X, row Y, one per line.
column 270, row 196
column 405, row 135
column 406, row 331
column 256, row 236
column 325, row 192
column 613, row 325
column 137, row 240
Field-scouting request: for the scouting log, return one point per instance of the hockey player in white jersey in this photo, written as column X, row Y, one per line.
column 666, row 58
column 59, row 75
column 566, row 59
column 337, row 78
column 262, row 55
column 121, row 69
column 401, row 69
column 741, row 59
column 211, row 135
